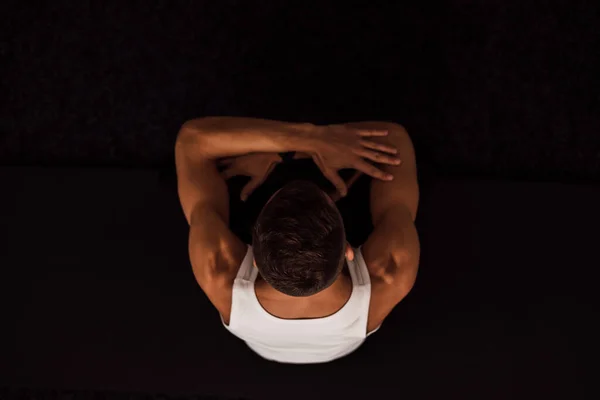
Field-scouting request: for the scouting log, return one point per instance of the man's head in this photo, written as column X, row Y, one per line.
column 299, row 241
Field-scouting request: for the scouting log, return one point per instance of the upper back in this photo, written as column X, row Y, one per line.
column 300, row 340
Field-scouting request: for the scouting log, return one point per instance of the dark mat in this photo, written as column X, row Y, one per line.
column 96, row 293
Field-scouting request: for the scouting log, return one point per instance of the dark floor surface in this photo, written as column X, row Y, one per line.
column 501, row 88
column 96, row 291
column 97, row 294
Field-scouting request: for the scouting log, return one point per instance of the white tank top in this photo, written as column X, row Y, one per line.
column 300, row 341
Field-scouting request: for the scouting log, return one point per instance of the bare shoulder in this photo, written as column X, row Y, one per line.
column 216, row 255
column 392, row 251
column 401, row 263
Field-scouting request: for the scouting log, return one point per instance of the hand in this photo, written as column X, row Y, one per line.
column 257, row 166
column 336, row 147
column 336, row 195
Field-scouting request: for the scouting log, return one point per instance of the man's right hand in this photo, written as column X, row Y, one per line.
column 337, row 147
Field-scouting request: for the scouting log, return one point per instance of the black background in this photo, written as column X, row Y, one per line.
column 501, row 99
column 493, row 88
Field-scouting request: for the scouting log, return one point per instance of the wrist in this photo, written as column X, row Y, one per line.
column 303, row 137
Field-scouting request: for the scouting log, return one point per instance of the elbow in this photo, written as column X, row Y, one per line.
column 203, row 124
column 199, row 126
column 201, row 132
column 195, row 132
column 187, row 133
column 192, row 128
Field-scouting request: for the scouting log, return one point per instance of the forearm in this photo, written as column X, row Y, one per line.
column 228, row 136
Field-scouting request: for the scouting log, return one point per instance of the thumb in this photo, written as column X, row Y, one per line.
column 249, row 188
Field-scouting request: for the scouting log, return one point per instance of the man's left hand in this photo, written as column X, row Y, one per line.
column 258, row 166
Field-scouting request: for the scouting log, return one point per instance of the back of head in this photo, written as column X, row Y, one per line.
column 299, row 240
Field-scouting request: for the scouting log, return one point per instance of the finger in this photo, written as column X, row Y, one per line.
column 225, row 162
column 335, row 196
column 377, row 156
column 372, row 132
column 332, row 176
column 255, row 183
column 337, row 181
column 378, row 146
column 371, row 170
column 353, row 178
column 230, row 173
column 319, row 164
column 249, row 188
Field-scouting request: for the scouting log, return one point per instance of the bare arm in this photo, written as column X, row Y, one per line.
column 392, row 251
column 232, row 136
column 215, row 252
column 201, row 142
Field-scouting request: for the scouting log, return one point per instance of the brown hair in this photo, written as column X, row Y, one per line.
column 299, row 241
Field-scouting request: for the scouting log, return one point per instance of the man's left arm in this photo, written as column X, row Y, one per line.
column 392, row 250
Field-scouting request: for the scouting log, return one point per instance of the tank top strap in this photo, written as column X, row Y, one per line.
column 358, row 270
column 245, row 273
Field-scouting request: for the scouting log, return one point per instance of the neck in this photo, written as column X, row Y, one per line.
column 319, row 305
column 339, row 288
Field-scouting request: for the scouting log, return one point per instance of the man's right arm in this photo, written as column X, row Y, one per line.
column 215, row 252
column 232, row 136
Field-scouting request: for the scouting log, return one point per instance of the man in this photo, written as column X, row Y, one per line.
column 300, row 293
